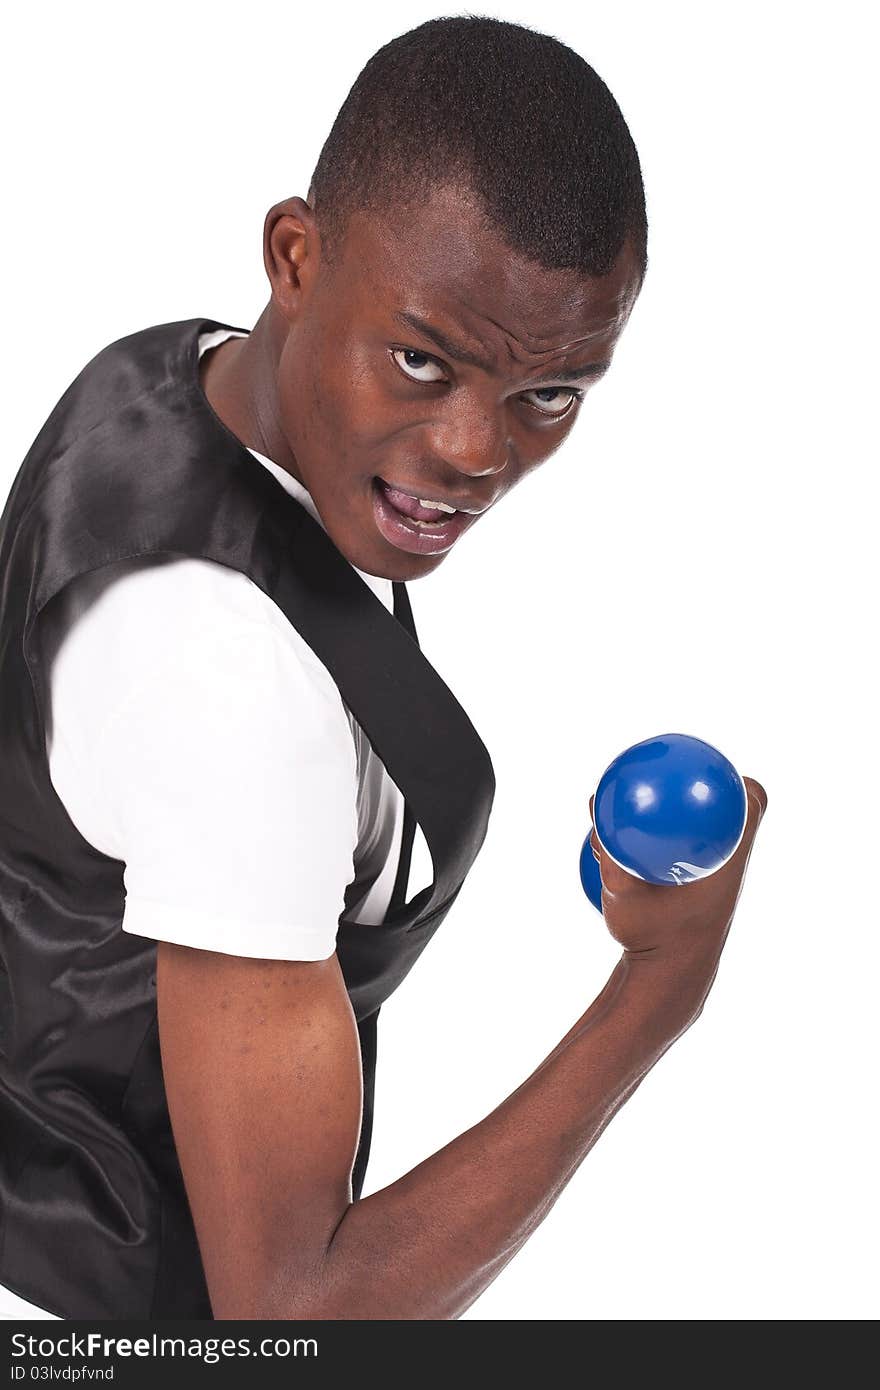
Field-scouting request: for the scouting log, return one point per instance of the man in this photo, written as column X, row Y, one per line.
column 220, row 734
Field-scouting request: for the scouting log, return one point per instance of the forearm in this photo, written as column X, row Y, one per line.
column 426, row 1246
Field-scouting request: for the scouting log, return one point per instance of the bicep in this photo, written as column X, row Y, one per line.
column 263, row 1077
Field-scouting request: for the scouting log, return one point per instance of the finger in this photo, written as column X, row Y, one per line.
column 594, row 843
column 756, row 805
column 614, row 876
column 756, row 791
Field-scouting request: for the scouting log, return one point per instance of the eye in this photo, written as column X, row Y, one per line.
column 418, row 366
column 554, row 401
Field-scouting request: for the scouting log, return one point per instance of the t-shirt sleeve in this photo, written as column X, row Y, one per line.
column 199, row 739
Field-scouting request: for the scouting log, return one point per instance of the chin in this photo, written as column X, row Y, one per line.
column 373, row 555
column 397, row 566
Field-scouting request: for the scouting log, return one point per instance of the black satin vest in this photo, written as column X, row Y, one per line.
column 133, row 461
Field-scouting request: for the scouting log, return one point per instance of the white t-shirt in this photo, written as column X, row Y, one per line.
column 193, row 734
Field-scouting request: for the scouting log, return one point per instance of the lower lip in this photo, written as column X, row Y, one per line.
column 402, row 532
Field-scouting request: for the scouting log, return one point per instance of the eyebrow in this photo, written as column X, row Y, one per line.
column 461, row 354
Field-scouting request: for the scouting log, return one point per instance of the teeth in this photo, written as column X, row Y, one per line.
column 435, row 506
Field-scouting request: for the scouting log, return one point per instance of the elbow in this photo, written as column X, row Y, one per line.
column 283, row 1294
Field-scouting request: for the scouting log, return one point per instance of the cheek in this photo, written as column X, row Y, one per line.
column 339, row 437
column 314, row 406
column 530, row 449
column 358, row 410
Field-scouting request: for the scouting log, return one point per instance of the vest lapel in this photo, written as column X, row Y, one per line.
column 403, row 613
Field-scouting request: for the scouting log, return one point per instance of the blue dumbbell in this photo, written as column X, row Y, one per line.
column 669, row 810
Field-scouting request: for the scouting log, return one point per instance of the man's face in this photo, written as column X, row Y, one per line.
column 429, row 361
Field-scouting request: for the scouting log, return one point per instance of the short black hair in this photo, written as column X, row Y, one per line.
column 515, row 115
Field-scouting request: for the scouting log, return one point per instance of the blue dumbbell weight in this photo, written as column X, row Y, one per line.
column 669, row 810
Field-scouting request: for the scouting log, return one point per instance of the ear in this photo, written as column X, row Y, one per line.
column 291, row 253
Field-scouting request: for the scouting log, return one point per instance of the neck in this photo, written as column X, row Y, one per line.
column 239, row 379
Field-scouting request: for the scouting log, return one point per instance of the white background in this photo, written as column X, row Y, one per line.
column 699, row 557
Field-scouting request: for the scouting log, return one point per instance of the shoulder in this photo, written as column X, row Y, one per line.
column 172, row 640
column 180, row 695
column 167, row 609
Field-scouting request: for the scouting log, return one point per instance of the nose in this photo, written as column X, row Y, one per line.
column 472, row 439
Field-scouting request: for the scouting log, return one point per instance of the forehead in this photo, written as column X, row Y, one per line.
column 442, row 260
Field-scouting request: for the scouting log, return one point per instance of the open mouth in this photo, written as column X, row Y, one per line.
column 420, row 525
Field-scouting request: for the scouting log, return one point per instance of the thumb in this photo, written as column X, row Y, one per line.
column 756, row 798
column 757, row 805
column 757, row 793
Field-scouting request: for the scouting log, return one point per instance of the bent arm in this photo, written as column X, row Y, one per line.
column 263, row 1077
column 432, row 1241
